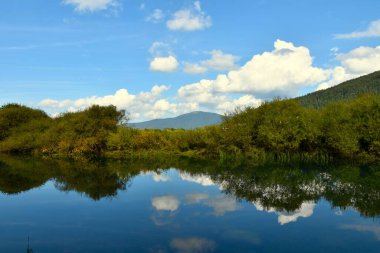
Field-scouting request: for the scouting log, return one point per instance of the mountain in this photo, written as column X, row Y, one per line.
column 344, row 91
column 186, row 121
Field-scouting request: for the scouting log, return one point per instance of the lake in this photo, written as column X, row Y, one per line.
column 184, row 205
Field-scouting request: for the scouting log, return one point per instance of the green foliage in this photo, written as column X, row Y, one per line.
column 14, row 115
column 342, row 129
column 26, row 130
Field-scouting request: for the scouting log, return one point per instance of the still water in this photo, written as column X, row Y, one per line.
column 187, row 206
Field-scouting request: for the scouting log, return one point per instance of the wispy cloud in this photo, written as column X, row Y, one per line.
column 372, row 31
column 60, row 44
column 156, row 16
column 92, row 5
column 190, row 19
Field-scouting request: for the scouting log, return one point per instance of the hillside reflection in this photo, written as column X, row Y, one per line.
column 291, row 191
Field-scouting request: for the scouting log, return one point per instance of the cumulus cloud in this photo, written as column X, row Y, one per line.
column 361, row 60
column 372, row 31
column 164, row 64
column 192, row 245
column 286, row 70
column 337, row 76
column 144, row 105
column 189, row 19
column 165, row 203
column 283, row 71
column 357, row 62
column 241, row 102
column 218, row 61
column 221, row 61
column 92, row 5
column 156, row 16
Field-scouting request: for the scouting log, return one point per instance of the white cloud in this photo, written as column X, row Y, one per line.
column 164, row 64
column 189, row 19
column 144, row 105
column 241, row 102
column 156, row 16
column 338, row 75
column 193, row 68
column 159, row 48
column 92, row 5
column 361, row 60
column 372, row 31
column 219, row 61
column 192, row 245
column 357, row 62
column 283, row 71
column 166, row 203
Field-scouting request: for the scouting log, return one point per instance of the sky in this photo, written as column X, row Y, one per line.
column 163, row 58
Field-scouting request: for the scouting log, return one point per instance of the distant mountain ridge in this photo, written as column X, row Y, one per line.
column 368, row 84
column 186, row 121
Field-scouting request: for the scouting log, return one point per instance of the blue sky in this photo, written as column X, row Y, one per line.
column 163, row 58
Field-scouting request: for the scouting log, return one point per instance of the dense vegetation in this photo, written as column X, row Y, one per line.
column 281, row 129
column 368, row 84
column 26, row 130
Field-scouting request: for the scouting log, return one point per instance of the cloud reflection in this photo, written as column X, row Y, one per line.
column 196, row 197
column 159, row 177
column 165, row 203
column 192, row 245
column 364, row 228
column 221, row 204
column 199, row 179
column 306, row 210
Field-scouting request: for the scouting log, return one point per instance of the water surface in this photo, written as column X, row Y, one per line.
column 187, row 206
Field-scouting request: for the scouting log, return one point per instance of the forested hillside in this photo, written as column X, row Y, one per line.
column 368, row 84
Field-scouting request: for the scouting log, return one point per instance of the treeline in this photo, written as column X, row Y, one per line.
column 280, row 129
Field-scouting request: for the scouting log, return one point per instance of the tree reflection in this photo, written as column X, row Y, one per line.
column 280, row 188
